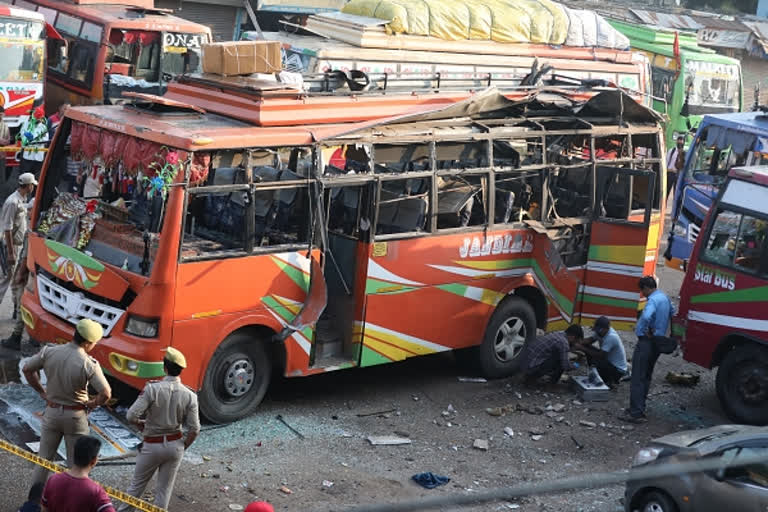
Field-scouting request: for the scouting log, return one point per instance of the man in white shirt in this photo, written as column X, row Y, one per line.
column 675, row 162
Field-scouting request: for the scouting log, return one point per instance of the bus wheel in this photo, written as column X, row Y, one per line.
column 742, row 384
column 236, row 379
column 512, row 325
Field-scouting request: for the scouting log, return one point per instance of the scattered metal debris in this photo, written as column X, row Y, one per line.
column 280, row 418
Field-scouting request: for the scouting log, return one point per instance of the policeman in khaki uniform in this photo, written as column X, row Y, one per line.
column 69, row 370
column 161, row 410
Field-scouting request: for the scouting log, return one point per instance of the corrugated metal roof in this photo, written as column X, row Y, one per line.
column 720, row 23
column 760, row 28
column 662, row 19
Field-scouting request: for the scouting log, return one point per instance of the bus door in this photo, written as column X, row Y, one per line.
column 623, row 245
column 347, row 209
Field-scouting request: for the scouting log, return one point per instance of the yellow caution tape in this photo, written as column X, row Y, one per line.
column 19, row 148
column 113, row 493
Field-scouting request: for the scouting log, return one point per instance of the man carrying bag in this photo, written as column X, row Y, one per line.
column 651, row 330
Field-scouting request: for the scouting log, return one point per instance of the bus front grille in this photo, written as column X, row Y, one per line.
column 74, row 306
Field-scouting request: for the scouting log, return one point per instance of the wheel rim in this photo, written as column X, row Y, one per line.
column 238, row 376
column 751, row 383
column 510, row 339
column 653, row 506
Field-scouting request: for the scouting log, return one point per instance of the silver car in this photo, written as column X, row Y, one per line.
column 737, row 488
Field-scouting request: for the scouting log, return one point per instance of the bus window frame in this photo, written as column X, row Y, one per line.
column 762, row 271
column 427, row 231
column 648, row 206
column 71, row 40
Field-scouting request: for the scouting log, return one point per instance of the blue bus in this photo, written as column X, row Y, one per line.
column 722, row 141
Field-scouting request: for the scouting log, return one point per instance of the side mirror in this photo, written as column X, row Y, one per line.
column 63, row 52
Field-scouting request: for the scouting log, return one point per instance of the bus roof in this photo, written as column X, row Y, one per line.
column 660, row 40
column 15, row 12
column 126, row 16
column 739, row 123
column 754, row 173
column 172, row 125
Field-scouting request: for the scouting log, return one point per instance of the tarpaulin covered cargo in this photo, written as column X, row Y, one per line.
column 506, row 21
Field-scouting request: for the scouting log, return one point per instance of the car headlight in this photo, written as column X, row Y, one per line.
column 143, row 327
column 680, row 230
column 646, row 455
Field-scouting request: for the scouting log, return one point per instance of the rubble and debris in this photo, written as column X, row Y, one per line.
column 280, row 418
column 536, row 432
column 509, row 431
column 235, row 506
column 588, row 424
column 429, row 480
column 536, row 437
column 327, row 483
column 682, row 379
column 388, row 440
column 477, row 380
column 375, row 413
column 481, row 444
column 577, row 443
column 558, row 407
column 285, row 490
column 495, row 411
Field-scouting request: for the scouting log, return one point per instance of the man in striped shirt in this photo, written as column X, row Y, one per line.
column 547, row 355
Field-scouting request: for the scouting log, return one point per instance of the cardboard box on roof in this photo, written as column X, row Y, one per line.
column 242, row 57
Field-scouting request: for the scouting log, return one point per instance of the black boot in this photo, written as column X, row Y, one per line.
column 12, row 342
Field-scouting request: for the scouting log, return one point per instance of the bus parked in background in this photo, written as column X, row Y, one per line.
column 721, row 142
column 393, row 69
column 114, row 48
column 688, row 82
column 22, row 67
column 723, row 314
column 275, row 231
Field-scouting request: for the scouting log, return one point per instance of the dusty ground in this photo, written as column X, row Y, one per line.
column 257, row 456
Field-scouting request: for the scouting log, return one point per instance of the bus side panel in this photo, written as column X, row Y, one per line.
column 719, row 302
column 617, row 259
column 213, row 298
column 428, row 295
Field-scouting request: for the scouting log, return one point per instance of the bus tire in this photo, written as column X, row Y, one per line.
column 236, row 379
column 742, row 384
column 511, row 327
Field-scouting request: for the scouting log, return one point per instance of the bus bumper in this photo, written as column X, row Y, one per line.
column 676, row 263
column 129, row 359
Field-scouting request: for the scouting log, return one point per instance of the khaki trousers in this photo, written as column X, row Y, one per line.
column 5, row 281
column 165, row 458
column 58, row 423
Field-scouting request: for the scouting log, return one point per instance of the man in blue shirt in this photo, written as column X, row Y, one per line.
column 654, row 321
column 609, row 359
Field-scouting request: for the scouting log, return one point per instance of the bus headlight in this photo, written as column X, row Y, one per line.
column 142, row 327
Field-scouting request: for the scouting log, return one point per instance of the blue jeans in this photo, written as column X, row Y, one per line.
column 643, row 361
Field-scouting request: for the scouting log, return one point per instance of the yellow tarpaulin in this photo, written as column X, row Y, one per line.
column 505, row 21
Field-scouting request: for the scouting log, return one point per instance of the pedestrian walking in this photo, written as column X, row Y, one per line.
column 70, row 370
column 609, row 359
column 675, row 162
column 654, row 321
column 162, row 410
column 14, row 224
column 547, row 355
column 73, row 490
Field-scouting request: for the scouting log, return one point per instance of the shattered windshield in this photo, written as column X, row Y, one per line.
column 100, row 206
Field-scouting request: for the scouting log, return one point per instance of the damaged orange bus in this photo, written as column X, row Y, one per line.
column 259, row 232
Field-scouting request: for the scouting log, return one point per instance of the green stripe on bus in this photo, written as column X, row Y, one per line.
column 609, row 301
column 297, row 276
column 370, row 357
column 757, row 294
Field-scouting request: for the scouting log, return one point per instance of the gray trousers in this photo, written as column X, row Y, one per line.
column 7, row 280
column 58, row 423
column 165, row 458
column 643, row 362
